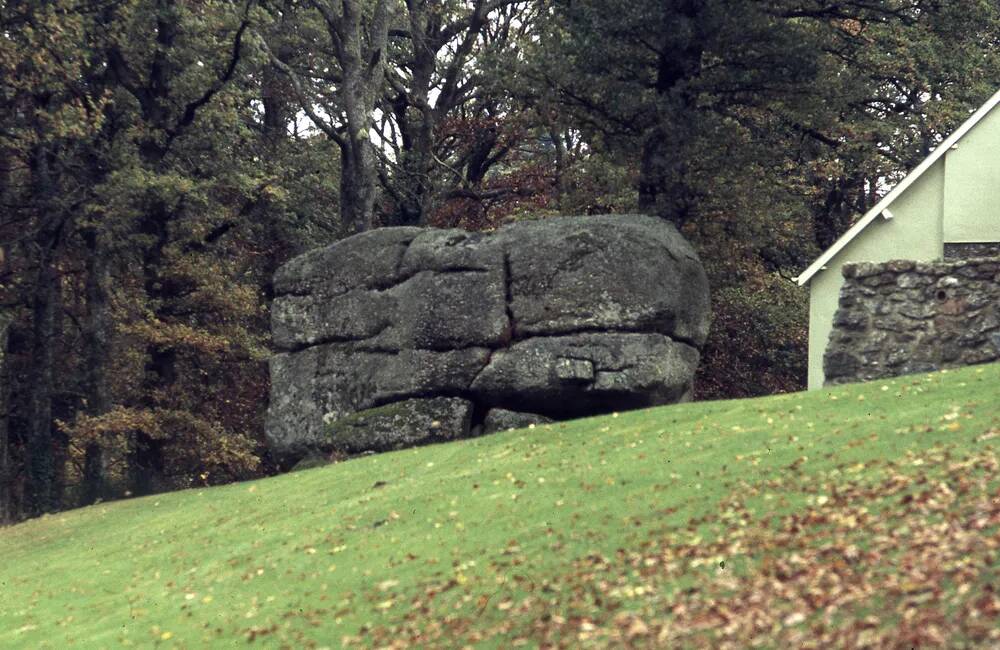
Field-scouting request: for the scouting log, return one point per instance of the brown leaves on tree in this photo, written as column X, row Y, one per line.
column 192, row 446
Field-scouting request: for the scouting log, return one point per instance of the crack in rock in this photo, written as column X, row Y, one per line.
column 508, row 282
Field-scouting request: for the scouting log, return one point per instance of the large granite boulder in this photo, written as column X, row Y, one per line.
column 558, row 318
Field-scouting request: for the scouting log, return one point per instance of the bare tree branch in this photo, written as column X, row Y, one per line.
column 304, row 102
column 192, row 108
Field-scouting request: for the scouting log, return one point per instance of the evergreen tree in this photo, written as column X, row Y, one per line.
column 761, row 128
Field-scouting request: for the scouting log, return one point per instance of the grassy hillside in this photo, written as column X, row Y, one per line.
column 866, row 514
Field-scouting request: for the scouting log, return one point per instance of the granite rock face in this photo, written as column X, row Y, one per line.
column 557, row 318
column 585, row 374
column 902, row 317
column 504, row 420
column 402, row 424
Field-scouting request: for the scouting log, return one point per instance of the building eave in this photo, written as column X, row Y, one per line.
column 883, row 205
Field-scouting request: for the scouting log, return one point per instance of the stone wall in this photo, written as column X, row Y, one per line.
column 968, row 250
column 903, row 317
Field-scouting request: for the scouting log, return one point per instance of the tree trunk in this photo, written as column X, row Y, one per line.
column 415, row 189
column 41, row 470
column 276, row 99
column 663, row 186
column 96, row 339
column 145, row 457
column 42, row 490
column 357, row 186
column 417, row 121
column 7, row 507
column 362, row 55
column 559, row 184
column 146, row 463
column 277, row 108
column 662, row 190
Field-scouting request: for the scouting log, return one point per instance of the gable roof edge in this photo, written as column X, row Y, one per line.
column 901, row 187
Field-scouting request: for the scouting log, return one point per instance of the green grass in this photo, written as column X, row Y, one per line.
column 865, row 514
